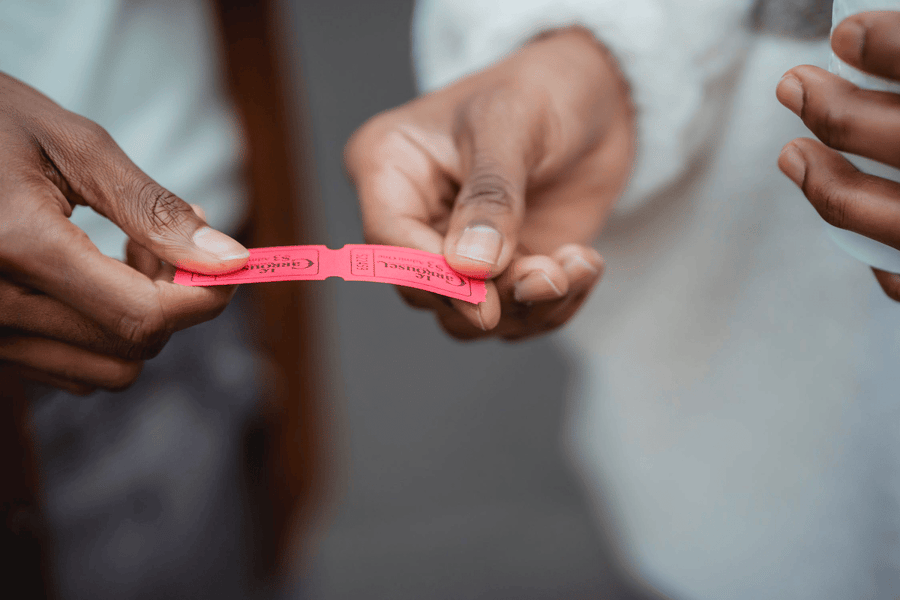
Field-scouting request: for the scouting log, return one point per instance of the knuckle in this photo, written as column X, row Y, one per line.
column 74, row 143
column 375, row 139
column 482, row 107
column 163, row 209
column 831, row 200
column 33, row 223
column 98, row 134
column 832, row 123
column 489, row 191
column 504, row 103
column 89, row 136
column 142, row 336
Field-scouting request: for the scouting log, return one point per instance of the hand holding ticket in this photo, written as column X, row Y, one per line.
column 354, row 262
column 509, row 173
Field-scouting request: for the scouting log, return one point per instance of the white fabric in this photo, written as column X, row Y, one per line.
column 735, row 412
column 149, row 73
column 669, row 50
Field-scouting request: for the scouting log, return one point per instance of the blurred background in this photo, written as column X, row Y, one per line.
column 457, row 484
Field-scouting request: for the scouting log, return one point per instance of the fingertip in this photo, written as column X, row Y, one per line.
column 476, row 251
column 489, row 311
column 789, row 92
column 220, row 245
column 484, row 315
column 578, row 269
column 538, row 286
column 219, row 253
column 848, row 40
column 538, row 278
column 580, row 262
column 792, row 162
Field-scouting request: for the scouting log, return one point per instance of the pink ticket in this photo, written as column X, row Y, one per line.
column 354, row 262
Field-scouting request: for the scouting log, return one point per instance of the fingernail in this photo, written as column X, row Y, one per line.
column 577, row 264
column 218, row 244
column 480, row 243
column 536, row 286
column 790, row 93
column 793, row 164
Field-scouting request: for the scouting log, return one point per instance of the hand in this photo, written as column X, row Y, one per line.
column 510, row 174
column 70, row 316
column 850, row 119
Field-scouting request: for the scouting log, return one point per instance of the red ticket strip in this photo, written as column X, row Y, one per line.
column 354, row 262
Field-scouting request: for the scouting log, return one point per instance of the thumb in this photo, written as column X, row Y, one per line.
column 149, row 214
column 484, row 224
column 170, row 228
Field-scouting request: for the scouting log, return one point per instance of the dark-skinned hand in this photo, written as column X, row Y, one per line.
column 70, row 316
column 509, row 173
column 850, row 119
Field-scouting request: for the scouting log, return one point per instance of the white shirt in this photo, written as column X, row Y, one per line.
column 735, row 406
column 150, row 73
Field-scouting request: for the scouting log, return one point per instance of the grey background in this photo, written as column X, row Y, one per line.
column 458, row 487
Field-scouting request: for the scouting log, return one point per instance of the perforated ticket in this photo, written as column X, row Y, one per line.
column 354, row 262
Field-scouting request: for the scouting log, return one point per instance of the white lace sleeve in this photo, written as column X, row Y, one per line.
column 669, row 50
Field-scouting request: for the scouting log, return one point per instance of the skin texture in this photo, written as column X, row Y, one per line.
column 70, row 316
column 537, row 148
column 847, row 118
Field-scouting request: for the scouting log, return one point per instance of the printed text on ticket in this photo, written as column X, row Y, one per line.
column 354, row 262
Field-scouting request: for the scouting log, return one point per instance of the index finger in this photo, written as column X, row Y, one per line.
column 57, row 258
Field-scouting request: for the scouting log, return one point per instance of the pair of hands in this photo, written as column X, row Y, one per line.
column 446, row 173
column 510, row 173
column 71, row 317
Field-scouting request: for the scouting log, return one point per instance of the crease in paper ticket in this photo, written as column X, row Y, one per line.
column 354, row 262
